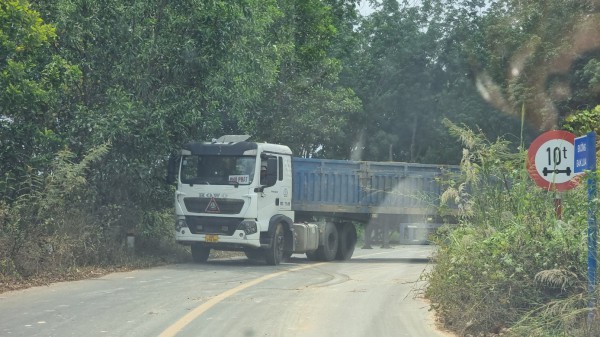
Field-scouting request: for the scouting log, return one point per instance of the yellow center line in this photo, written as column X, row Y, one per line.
column 202, row 308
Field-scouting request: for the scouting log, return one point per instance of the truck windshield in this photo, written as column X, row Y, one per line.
column 217, row 170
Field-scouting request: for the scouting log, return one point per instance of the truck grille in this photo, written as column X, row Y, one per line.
column 214, row 206
column 212, row 225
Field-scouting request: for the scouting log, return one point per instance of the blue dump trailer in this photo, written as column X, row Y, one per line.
column 233, row 194
column 400, row 197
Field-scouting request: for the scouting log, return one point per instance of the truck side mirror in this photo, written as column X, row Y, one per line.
column 171, row 170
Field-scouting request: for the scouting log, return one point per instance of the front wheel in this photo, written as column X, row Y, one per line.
column 200, row 253
column 274, row 254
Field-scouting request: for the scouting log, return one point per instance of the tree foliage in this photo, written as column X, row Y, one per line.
column 541, row 55
column 307, row 109
column 35, row 84
column 413, row 66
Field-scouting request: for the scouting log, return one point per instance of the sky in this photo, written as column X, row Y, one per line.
column 364, row 8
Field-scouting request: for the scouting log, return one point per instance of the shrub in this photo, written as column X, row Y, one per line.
column 510, row 263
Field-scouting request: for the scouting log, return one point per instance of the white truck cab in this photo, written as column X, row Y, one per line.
column 235, row 195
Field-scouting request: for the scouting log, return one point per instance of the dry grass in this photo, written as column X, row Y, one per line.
column 8, row 283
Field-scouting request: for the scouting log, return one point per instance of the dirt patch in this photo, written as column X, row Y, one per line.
column 16, row 283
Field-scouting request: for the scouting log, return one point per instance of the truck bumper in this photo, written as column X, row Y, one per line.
column 238, row 241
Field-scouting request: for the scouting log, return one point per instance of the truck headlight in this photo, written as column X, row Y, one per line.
column 180, row 224
column 248, row 226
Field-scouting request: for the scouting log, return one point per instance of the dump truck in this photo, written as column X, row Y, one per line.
column 238, row 195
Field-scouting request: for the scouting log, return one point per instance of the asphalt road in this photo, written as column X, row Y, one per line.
column 376, row 293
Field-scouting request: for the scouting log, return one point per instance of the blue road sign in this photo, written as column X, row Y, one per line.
column 584, row 148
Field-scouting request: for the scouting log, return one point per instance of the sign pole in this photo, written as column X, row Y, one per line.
column 592, row 227
column 558, row 205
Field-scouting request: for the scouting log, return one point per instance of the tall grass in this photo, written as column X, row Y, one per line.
column 510, row 265
column 57, row 223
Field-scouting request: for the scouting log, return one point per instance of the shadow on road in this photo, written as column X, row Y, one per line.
column 415, row 260
column 243, row 262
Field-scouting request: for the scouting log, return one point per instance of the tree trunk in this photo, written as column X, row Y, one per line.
column 413, row 139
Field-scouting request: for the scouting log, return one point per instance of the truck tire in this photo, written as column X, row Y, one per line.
column 274, row 254
column 328, row 249
column 347, row 243
column 199, row 253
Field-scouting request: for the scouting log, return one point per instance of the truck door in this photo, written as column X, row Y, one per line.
column 275, row 177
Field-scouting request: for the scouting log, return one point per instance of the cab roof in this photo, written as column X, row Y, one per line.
column 227, row 145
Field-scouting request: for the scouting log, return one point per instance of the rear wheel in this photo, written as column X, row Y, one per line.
column 328, row 249
column 347, row 243
column 274, row 254
column 199, row 253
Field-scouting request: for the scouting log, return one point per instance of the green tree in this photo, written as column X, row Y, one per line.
column 306, row 108
column 393, row 72
column 35, row 86
column 156, row 74
column 414, row 66
column 378, row 72
column 463, row 90
column 538, row 54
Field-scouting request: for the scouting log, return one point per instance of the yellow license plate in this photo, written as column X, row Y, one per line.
column 211, row 238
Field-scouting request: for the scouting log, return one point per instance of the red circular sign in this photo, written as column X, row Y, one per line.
column 550, row 160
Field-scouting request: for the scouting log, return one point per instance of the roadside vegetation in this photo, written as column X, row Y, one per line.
column 511, row 266
column 57, row 230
